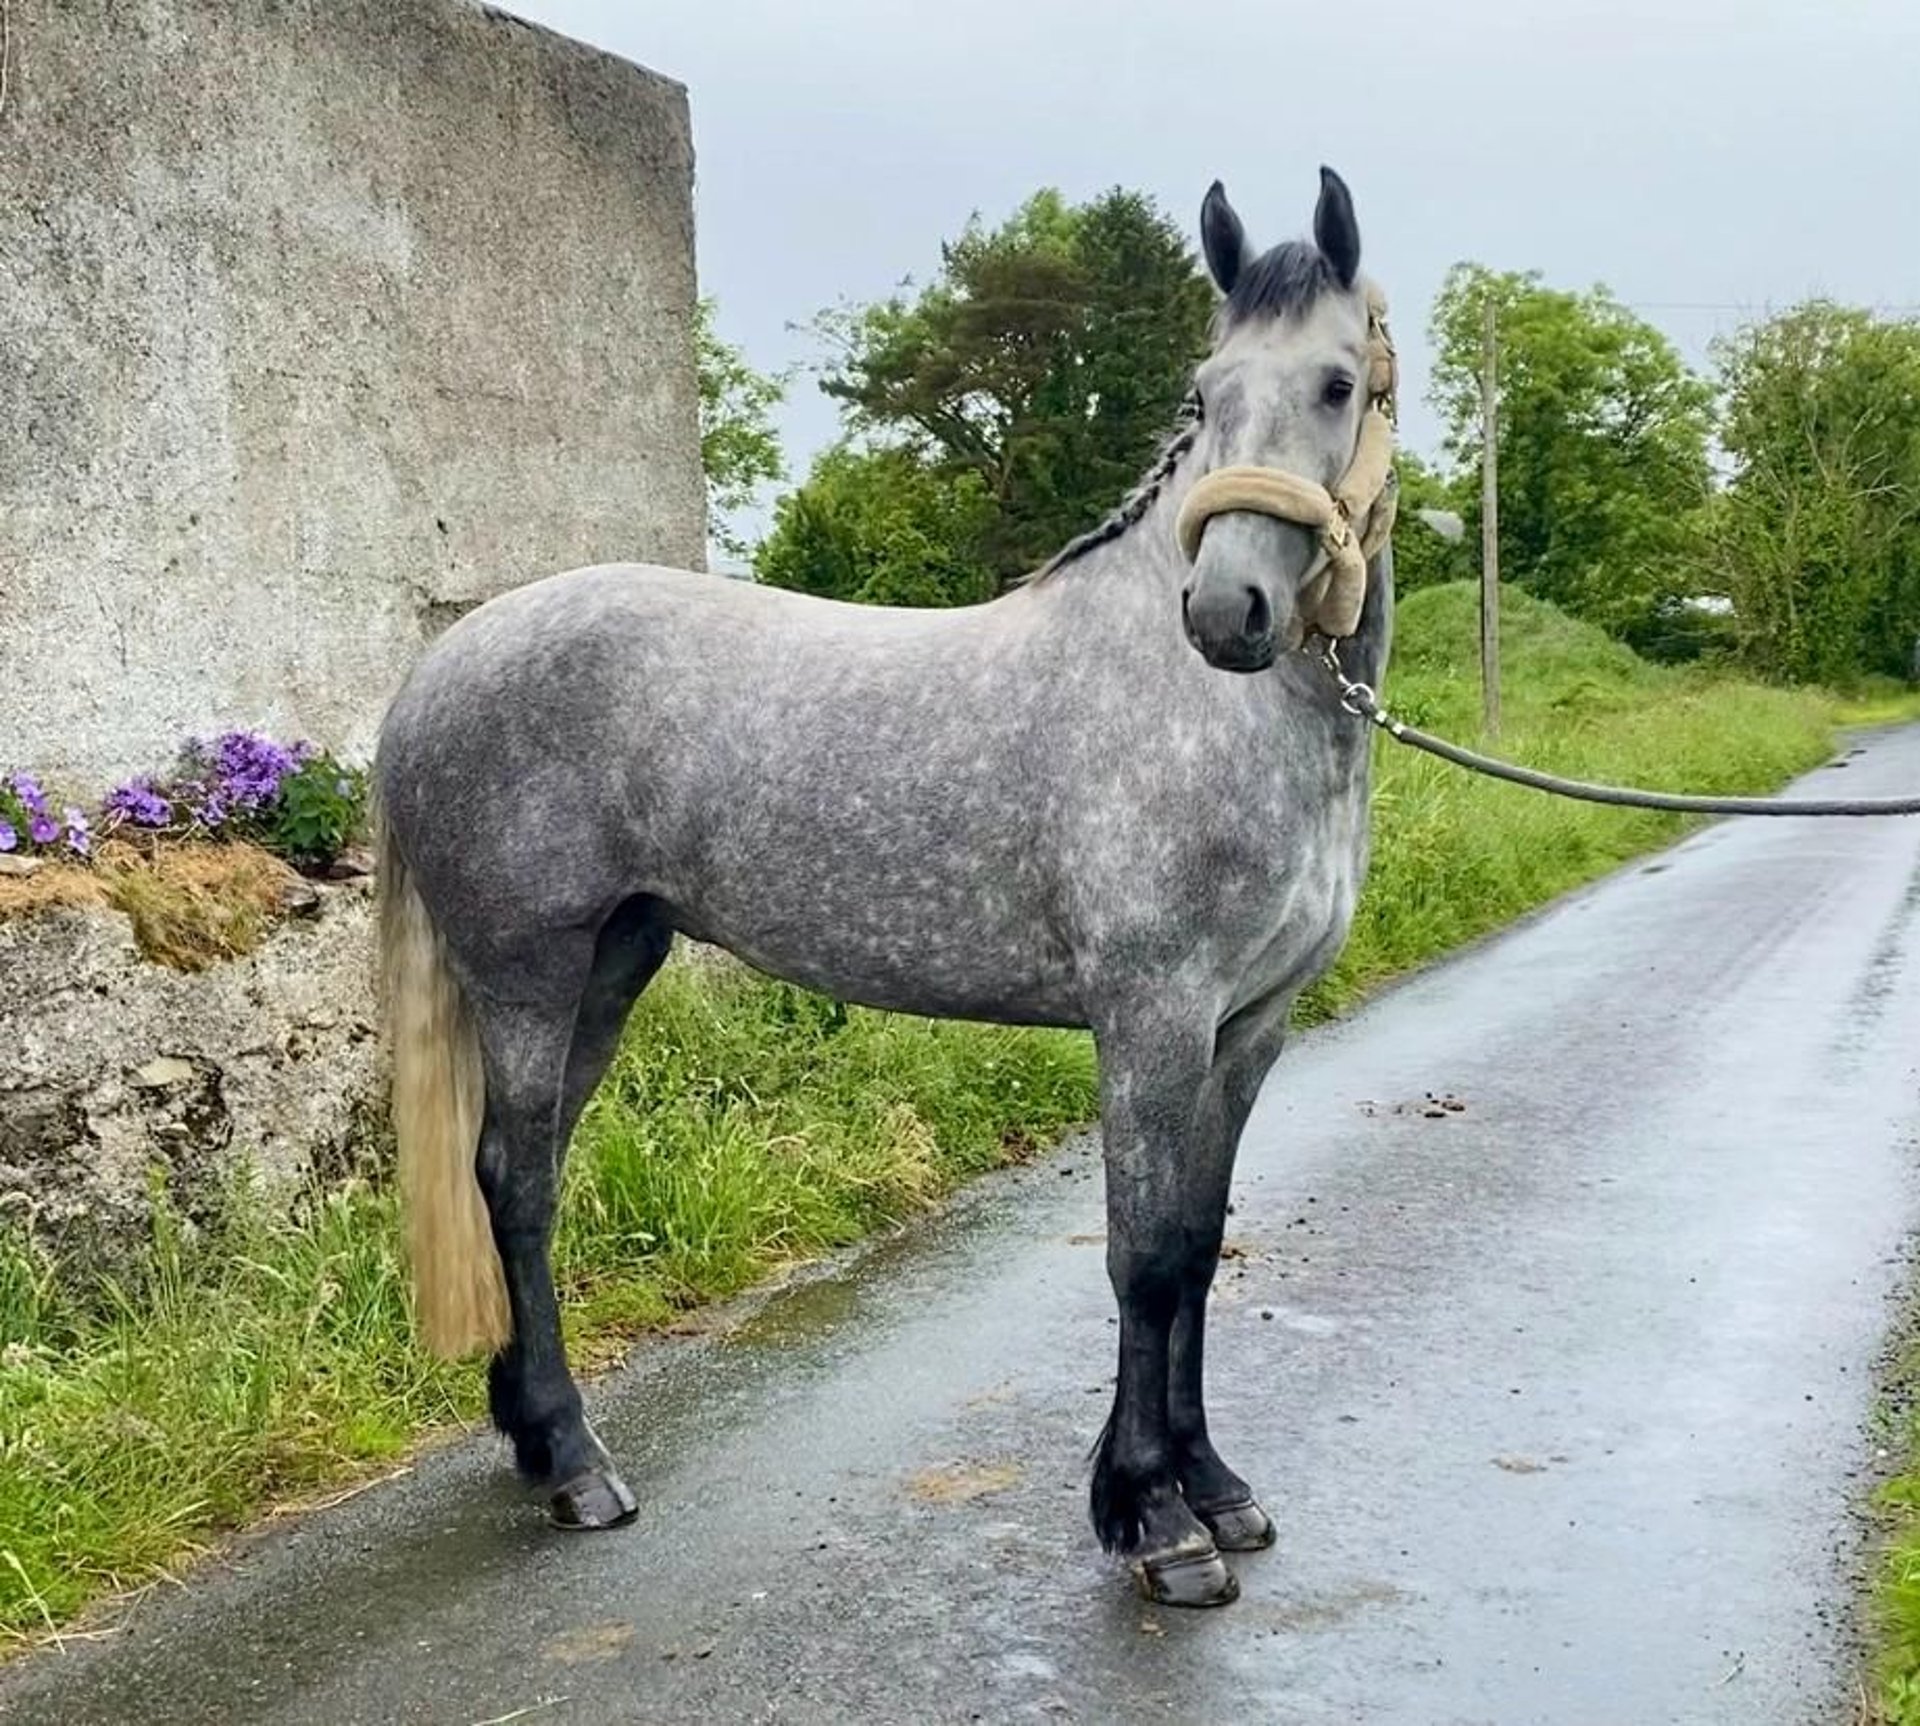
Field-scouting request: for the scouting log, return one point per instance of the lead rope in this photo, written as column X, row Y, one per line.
column 1333, row 593
column 1360, row 700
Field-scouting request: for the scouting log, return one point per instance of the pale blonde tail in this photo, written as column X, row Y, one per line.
column 439, row 1094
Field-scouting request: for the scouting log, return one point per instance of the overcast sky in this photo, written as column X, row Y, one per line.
column 1704, row 158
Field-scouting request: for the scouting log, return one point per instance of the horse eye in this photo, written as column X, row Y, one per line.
column 1337, row 391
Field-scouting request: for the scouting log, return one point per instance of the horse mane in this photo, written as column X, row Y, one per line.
column 1281, row 283
column 1138, row 501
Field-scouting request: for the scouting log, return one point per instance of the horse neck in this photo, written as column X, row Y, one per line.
column 1117, row 589
column 1124, row 587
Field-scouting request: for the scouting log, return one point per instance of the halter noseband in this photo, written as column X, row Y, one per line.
column 1354, row 519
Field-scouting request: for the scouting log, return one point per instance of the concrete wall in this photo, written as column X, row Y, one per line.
column 320, row 321
column 112, row 1067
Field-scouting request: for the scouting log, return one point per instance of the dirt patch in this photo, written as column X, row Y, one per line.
column 998, row 1397
column 963, row 1482
column 589, row 1643
column 1326, row 1611
column 1432, row 1106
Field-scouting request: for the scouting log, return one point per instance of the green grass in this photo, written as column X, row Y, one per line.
column 748, row 1125
column 1895, row 1618
column 1877, row 701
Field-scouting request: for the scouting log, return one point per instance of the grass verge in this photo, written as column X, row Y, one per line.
column 1894, row 1620
column 1893, row 1698
column 1456, row 855
column 748, row 1125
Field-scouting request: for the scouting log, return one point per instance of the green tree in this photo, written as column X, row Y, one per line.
column 1603, row 444
column 1421, row 556
column 739, row 449
column 882, row 527
column 1046, row 361
column 1818, row 531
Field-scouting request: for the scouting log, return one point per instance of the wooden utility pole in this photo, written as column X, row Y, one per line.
column 1489, row 534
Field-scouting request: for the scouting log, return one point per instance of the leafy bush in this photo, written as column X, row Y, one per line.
column 320, row 808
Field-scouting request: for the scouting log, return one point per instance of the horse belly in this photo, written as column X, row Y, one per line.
column 948, row 959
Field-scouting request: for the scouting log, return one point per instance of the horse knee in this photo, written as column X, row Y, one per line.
column 1147, row 1282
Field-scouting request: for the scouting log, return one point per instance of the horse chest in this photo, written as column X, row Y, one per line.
column 1309, row 910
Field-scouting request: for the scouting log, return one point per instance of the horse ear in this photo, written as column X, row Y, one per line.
column 1334, row 229
column 1222, row 238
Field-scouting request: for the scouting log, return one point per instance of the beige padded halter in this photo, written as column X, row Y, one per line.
column 1335, row 586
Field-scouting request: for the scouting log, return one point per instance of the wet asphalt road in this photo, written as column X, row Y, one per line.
column 1559, row 1399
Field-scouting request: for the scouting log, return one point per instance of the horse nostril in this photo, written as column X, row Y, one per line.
column 1259, row 614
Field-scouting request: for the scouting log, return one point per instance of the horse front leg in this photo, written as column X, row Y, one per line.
column 1151, row 1076
column 1247, row 1047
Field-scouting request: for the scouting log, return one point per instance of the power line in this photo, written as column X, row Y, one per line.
column 1748, row 307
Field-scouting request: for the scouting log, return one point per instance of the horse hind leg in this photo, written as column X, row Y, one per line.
column 543, row 1063
column 631, row 947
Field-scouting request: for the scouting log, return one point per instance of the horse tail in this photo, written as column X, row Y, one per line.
column 439, row 1097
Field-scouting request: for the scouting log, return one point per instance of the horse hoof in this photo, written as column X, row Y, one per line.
column 596, row 1499
column 1191, row 1576
column 1242, row 1527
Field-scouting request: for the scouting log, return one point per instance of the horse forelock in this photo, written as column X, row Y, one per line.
column 1284, row 282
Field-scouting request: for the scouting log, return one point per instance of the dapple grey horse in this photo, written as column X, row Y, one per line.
column 1111, row 798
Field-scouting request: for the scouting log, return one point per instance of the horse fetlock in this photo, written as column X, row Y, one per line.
column 1137, row 1510
column 1204, row 1478
column 550, row 1437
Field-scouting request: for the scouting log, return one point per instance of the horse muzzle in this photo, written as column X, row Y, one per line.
column 1232, row 630
column 1241, row 605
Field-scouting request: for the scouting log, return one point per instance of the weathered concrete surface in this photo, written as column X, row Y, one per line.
column 1556, row 1398
column 320, row 320
column 111, row 1065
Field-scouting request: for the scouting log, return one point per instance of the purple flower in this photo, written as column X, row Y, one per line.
column 9, row 839
column 43, row 830
column 137, row 801
column 243, row 770
column 79, row 839
column 27, row 788
column 198, row 803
